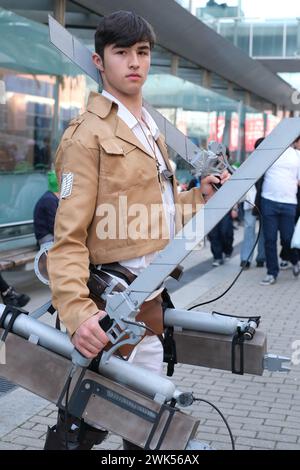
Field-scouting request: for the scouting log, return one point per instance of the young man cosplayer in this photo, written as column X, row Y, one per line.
column 113, row 162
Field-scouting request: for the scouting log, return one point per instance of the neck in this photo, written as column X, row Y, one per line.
column 133, row 103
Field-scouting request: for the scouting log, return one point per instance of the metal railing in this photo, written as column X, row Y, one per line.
column 16, row 231
column 271, row 38
column 259, row 38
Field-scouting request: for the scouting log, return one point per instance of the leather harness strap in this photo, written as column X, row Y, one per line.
column 121, row 271
column 129, row 277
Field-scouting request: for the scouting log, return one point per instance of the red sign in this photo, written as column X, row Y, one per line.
column 220, row 127
column 234, row 132
column 272, row 122
column 254, row 129
column 212, row 127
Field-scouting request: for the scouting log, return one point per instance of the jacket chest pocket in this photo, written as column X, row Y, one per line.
column 123, row 165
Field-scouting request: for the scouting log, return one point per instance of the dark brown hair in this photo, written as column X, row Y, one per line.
column 124, row 29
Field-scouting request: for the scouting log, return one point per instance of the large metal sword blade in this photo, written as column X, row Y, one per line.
column 206, row 218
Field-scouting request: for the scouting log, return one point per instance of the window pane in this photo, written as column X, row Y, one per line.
column 267, row 40
column 291, row 41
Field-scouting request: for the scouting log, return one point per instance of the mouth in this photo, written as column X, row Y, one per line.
column 134, row 75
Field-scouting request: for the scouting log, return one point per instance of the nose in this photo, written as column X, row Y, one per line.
column 134, row 60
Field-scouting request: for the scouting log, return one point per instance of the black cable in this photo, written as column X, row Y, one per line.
column 67, row 410
column 142, row 325
column 222, row 416
column 234, row 316
column 240, row 272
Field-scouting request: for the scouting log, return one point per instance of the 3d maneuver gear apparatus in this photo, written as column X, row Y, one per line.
column 123, row 398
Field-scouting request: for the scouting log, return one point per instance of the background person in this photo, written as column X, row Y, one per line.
column 45, row 211
column 278, row 206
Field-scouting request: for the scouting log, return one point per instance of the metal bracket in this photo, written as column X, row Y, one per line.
column 87, row 388
column 34, row 339
column 122, row 326
column 274, row 363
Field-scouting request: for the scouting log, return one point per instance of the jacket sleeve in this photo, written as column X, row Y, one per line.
column 189, row 203
column 192, row 196
column 68, row 260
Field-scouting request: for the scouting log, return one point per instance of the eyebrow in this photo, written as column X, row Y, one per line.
column 144, row 47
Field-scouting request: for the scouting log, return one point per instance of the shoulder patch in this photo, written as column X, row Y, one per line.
column 66, row 185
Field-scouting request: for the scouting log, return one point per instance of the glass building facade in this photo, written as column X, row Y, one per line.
column 41, row 91
column 261, row 38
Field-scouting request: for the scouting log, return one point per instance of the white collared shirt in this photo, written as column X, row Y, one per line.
column 281, row 180
column 137, row 265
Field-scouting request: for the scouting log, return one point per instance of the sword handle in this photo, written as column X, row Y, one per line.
column 217, row 186
column 78, row 359
column 106, row 323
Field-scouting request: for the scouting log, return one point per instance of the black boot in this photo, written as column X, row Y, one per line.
column 130, row 446
column 14, row 298
column 79, row 435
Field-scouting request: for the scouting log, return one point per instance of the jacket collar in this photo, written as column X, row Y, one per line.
column 102, row 106
column 125, row 133
column 99, row 105
column 163, row 149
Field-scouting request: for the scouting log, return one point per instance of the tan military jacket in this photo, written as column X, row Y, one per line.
column 106, row 173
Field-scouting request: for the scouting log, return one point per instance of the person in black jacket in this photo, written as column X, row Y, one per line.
column 45, row 211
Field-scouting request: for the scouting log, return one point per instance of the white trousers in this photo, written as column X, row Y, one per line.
column 148, row 354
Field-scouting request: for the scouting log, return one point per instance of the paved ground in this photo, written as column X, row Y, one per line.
column 263, row 412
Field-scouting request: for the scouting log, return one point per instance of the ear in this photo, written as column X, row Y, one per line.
column 98, row 62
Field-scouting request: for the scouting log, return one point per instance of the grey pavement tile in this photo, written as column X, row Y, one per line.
column 294, row 409
column 27, row 441
column 287, row 446
column 261, row 410
column 261, row 443
column 275, row 416
column 293, row 417
column 220, row 445
column 280, row 408
column 238, row 419
column 292, row 431
column 241, row 399
column 235, row 412
column 213, row 422
column 277, row 437
column 10, row 446
column 27, row 425
column 271, row 429
column 45, row 412
column 40, row 427
column 32, row 433
column 43, row 420
column 224, row 405
column 212, row 437
column 205, row 428
column 242, row 433
column 274, row 423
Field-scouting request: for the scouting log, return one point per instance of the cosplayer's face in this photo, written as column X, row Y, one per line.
column 124, row 70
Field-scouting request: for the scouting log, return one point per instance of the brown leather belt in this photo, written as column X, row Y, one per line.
column 121, row 271
column 129, row 277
